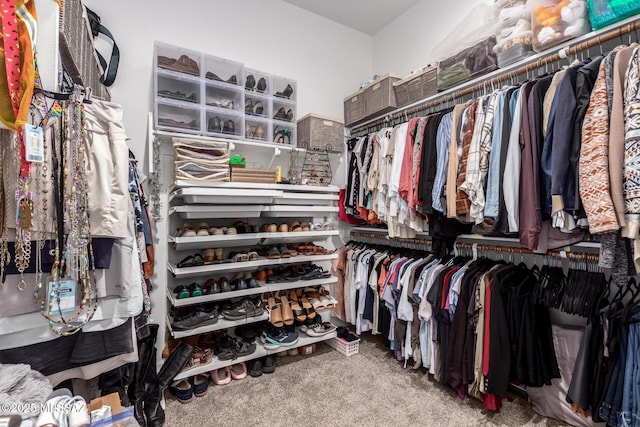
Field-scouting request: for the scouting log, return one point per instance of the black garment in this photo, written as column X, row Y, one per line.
column 539, row 91
column 353, row 178
column 81, row 349
column 456, row 374
column 428, row 163
column 585, row 79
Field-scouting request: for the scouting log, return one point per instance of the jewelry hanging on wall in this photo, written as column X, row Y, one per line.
column 74, row 262
column 5, row 256
column 155, row 182
column 24, row 214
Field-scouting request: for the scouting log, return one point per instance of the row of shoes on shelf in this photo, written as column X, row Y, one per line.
column 204, row 229
column 208, row 314
column 239, row 282
column 184, row 64
column 216, row 255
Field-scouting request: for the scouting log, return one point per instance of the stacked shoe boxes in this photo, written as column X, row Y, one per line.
column 200, row 94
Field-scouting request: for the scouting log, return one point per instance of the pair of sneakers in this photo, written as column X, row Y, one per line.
column 64, row 410
column 273, row 337
column 184, row 390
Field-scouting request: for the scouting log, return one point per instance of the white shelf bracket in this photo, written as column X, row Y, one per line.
column 276, row 153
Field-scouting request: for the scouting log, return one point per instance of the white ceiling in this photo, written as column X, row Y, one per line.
column 367, row 16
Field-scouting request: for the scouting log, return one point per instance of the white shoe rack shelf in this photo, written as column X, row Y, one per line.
column 220, row 205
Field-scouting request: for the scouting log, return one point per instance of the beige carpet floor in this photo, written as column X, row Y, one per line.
column 329, row 389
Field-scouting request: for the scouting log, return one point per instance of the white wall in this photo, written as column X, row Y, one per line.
column 327, row 59
column 406, row 43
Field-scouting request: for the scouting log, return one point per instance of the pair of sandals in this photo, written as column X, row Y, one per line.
column 320, row 298
column 315, row 272
column 285, row 275
column 282, row 251
column 212, row 255
column 244, row 256
column 199, row 357
column 203, row 230
column 194, row 260
column 311, row 249
column 302, row 308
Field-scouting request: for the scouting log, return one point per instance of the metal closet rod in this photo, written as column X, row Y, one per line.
column 421, row 106
column 395, row 241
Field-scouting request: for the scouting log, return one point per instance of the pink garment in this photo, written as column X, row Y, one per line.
column 405, row 187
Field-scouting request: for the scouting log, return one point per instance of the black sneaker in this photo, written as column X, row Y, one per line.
column 255, row 368
column 204, row 315
column 247, row 308
column 269, row 365
column 273, row 337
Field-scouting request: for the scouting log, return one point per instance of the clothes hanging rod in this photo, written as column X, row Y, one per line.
column 572, row 47
column 569, row 253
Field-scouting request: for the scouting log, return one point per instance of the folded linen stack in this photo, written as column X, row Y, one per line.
column 198, row 160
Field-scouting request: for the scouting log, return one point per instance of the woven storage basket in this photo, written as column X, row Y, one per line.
column 417, row 86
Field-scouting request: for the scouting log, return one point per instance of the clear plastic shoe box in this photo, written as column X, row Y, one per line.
column 284, row 133
column 224, row 123
column 285, row 89
column 257, row 128
column 180, row 88
column 178, row 116
column 177, row 60
column 257, row 105
column 223, row 71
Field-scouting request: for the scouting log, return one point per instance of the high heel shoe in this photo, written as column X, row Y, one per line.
column 250, row 83
column 298, row 312
column 215, row 125
column 275, row 313
column 258, row 109
column 258, row 133
column 286, row 93
column 248, row 130
column 262, row 85
column 281, row 114
column 287, row 312
column 228, row 127
column 248, row 106
column 278, row 138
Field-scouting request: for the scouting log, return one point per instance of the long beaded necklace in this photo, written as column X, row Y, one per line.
column 24, row 218
column 5, row 256
column 74, row 256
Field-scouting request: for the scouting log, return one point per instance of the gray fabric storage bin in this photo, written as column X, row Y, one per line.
column 322, row 133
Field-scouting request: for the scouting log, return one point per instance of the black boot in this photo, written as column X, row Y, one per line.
column 144, row 373
column 176, row 361
column 153, row 407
